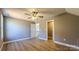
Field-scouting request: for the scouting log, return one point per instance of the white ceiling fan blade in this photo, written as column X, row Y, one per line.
column 29, row 17
column 27, row 14
column 40, row 16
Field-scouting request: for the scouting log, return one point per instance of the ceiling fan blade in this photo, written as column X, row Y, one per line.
column 27, row 14
column 40, row 16
column 29, row 17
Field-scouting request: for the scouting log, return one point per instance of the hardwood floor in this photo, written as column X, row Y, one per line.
column 35, row 45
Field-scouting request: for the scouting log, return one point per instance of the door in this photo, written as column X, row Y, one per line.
column 50, row 30
column 33, row 30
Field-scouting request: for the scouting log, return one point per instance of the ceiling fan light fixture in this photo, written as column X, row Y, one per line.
column 34, row 14
column 34, row 18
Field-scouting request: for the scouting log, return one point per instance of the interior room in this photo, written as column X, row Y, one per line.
column 39, row 29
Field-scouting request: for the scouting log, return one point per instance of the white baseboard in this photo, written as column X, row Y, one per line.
column 1, row 47
column 16, row 40
column 42, row 38
column 65, row 44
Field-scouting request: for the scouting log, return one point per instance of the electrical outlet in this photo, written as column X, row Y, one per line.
column 64, row 39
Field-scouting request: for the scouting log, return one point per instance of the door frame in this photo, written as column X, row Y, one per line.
column 2, row 31
column 52, row 28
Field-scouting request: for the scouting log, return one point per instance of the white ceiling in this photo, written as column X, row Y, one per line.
column 74, row 11
column 48, row 13
column 19, row 13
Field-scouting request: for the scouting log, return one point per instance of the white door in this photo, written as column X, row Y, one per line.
column 33, row 30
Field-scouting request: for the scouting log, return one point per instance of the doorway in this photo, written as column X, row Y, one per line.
column 50, row 30
column 33, row 30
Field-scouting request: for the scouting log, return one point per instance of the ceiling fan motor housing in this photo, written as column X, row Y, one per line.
column 34, row 13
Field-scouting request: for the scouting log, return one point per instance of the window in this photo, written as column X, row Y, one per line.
column 37, row 29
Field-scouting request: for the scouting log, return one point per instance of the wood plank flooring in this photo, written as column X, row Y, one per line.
column 35, row 45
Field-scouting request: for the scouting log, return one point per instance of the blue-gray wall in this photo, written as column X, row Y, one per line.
column 16, row 29
column 66, row 28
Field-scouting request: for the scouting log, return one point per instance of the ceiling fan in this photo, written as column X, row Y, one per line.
column 34, row 14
